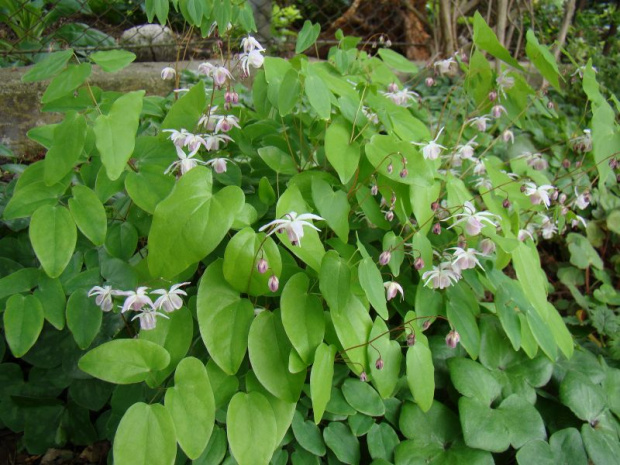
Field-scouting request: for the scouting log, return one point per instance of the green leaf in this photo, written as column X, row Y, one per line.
column 174, row 334
column 333, row 206
column 157, row 8
column 52, row 296
column 321, row 377
column 83, row 318
column 69, row 137
column 586, row 399
column 148, row 187
column 335, row 280
column 53, row 236
column 421, row 374
column 439, row 425
column 122, row 240
column 308, row 435
column 139, row 359
column 23, row 321
column 241, row 257
column 602, row 446
column 465, row 324
column 216, row 450
column 483, row 427
column 116, row 132
column 191, row 406
column 145, row 436
column 279, row 161
column 49, row 66
column 31, row 192
column 362, row 397
column 485, row 39
column 473, row 380
column 342, row 442
column 269, row 351
column 190, row 222
column 319, row 96
column 537, row 452
column 582, row 254
column 307, row 36
column 302, row 316
column 353, row 325
column 372, row 283
column 251, row 417
column 66, row 82
column 341, row 153
column 89, row 214
column 396, row 61
column 542, row 59
column 386, row 379
column 113, row 60
column 522, row 421
column 186, row 111
column 382, row 440
column 21, row 281
column 224, row 319
column 289, row 99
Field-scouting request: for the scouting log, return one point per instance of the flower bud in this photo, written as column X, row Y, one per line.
column 506, row 203
column 363, row 377
column 435, row 206
column 390, row 168
column 492, row 96
column 389, row 215
column 436, row 228
column 562, row 198
column 418, row 263
column 388, row 43
column 411, row 339
column 487, row 246
column 393, row 198
column 497, row 111
column 523, row 188
column 393, row 87
column 385, row 257
column 273, row 283
column 508, row 135
column 430, row 82
column 550, row 105
column 452, row 339
column 168, row 73
column 427, row 324
column 379, row 364
column 262, row 266
column 564, row 211
column 566, row 163
column 554, row 195
column 374, row 189
column 403, row 173
column 577, row 164
column 613, row 163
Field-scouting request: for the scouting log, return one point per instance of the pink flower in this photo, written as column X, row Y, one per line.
column 392, row 288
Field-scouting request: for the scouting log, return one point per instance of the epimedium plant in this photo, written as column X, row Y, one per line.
column 329, row 266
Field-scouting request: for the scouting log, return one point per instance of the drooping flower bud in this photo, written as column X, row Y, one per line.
column 379, row 364
column 393, row 87
column 550, row 105
column 506, row 203
column 411, row 339
column 427, row 324
column 273, row 283
column 492, row 96
column 390, row 168
column 613, row 163
column 385, row 257
column 389, row 215
column 374, row 189
column 562, row 198
column 497, row 111
column 262, row 266
column 363, row 377
column 437, row 228
column 403, row 173
column 566, row 163
column 168, row 73
column 452, row 339
column 435, row 206
column 508, row 135
column 418, row 263
column 554, row 195
column 430, row 82
column 487, row 246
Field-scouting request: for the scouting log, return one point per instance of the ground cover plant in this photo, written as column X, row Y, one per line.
column 340, row 263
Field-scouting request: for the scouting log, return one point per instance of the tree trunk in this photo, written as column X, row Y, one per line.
column 446, row 27
column 568, row 19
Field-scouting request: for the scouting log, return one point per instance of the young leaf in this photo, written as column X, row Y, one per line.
column 335, row 280
column 319, row 96
column 372, row 283
column 83, row 318
column 362, row 397
column 342, row 154
column 23, row 322
column 139, row 359
column 66, row 82
column 145, row 435
column 485, row 38
column 186, row 111
column 89, row 214
column 116, row 132
column 49, row 66
column 333, row 206
column 113, row 60
column 307, row 36
column 251, row 428
column 542, row 59
column 191, row 406
column 157, row 8
column 53, row 236
column 342, row 442
column 69, row 137
column 421, row 374
column 321, row 379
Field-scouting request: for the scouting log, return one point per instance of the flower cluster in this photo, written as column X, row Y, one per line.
column 140, row 301
column 252, row 54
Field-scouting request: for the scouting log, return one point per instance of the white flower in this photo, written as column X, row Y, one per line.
column 226, row 123
column 577, row 220
column 466, row 151
column 168, row 73
column 401, row 97
column 536, row 161
column 524, row 234
column 372, row 117
column 249, row 44
column 170, row 300
column 186, row 162
column 443, row 66
column 293, row 225
column 178, row 138
column 538, row 194
column 432, row 149
column 194, row 141
column 136, row 300
column 392, row 288
column 583, row 200
column 441, row 276
column 483, row 182
column 480, row 122
column 254, row 59
column 209, row 119
column 148, row 319
column 479, row 167
column 474, row 221
column 508, row 135
column 206, row 68
column 583, row 143
column 218, row 164
column 221, row 75
column 104, row 296
column 465, row 259
column 547, row 227
column 213, row 141
column 504, row 82
column 497, row 111
column 582, row 69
